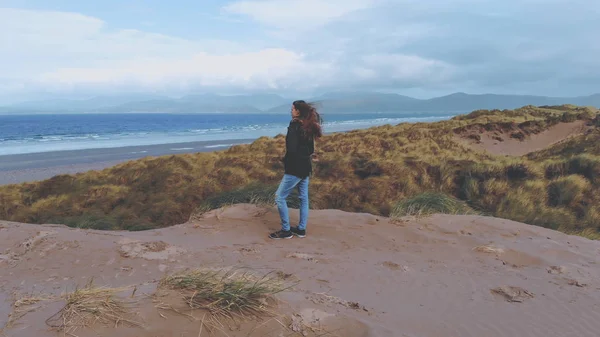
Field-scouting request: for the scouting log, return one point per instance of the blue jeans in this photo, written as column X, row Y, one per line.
column 287, row 185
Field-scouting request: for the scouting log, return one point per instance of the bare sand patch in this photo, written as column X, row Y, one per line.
column 510, row 144
column 384, row 280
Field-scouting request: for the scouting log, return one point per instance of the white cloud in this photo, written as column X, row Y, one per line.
column 463, row 45
column 297, row 14
column 268, row 68
column 50, row 25
column 65, row 51
column 408, row 68
column 48, row 35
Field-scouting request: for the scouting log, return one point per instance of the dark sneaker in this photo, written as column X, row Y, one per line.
column 281, row 235
column 301, row 233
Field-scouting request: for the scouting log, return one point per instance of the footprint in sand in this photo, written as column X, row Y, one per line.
column 308, row 317
column 489, row 249
column 513, row 258
column 556, row 270
column 156, row 246
column 327, row 299
column 576, row 283
column 14, row 256
column 303, row 256
column 156, row 250
column 32, row 242
column 394, row 266
column 391, row 265
column 512, row 294
column 309, row 321
column 248, row 251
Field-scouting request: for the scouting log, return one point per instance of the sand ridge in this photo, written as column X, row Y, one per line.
column 502, row 143
column 358, row 274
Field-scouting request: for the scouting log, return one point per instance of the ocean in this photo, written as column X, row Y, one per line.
column 23, row 134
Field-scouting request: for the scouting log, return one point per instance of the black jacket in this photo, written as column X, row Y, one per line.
column 298, row 151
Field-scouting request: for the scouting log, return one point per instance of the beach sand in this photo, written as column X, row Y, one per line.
column 39, row 166
column 357, row 274
column 42, row 173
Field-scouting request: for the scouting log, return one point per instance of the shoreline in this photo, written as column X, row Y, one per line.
column 29, row 167
column 36, row 166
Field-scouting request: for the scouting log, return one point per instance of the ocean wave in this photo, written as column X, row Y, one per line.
column 93, row 137
column 118, row 135
column 217, row 145
column 386, row 120
column 233, row 128
column 53, row 138
column 203, row 131
column 182, row 149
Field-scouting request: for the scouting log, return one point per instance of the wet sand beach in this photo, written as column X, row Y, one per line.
column 20, row 168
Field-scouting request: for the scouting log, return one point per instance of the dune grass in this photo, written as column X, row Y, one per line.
column 92, row 305
column 227, row 293
column 359, row 171
column 256, row 193
column 430, row 203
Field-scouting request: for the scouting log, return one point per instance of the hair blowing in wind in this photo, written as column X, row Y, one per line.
column 310, row 118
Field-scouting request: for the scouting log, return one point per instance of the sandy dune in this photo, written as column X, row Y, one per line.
column 359, row 275
column 501, row 143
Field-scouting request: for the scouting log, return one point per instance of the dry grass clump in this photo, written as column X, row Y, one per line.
column 430, row 203
column 589, row 233
column 92, row 305
column 258, row 194
column 360, row 171
column 227, row 293
column 567, row 191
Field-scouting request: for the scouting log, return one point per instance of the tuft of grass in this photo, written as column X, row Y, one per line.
column 592, row 234
column 251, row 194
column 92, row 305
column 588, row 143
column 567, row 191
column 430, row 203
column 227, row 293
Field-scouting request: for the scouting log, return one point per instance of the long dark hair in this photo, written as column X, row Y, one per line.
column 310, row 118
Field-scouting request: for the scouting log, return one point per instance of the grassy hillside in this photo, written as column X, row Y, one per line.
column 364, row 171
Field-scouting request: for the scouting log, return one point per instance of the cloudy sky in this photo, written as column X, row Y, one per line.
column 421, row 48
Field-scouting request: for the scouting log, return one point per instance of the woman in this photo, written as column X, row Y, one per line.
column 304, row 128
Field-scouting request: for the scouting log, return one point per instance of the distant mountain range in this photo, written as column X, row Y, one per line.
column 336, row 102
